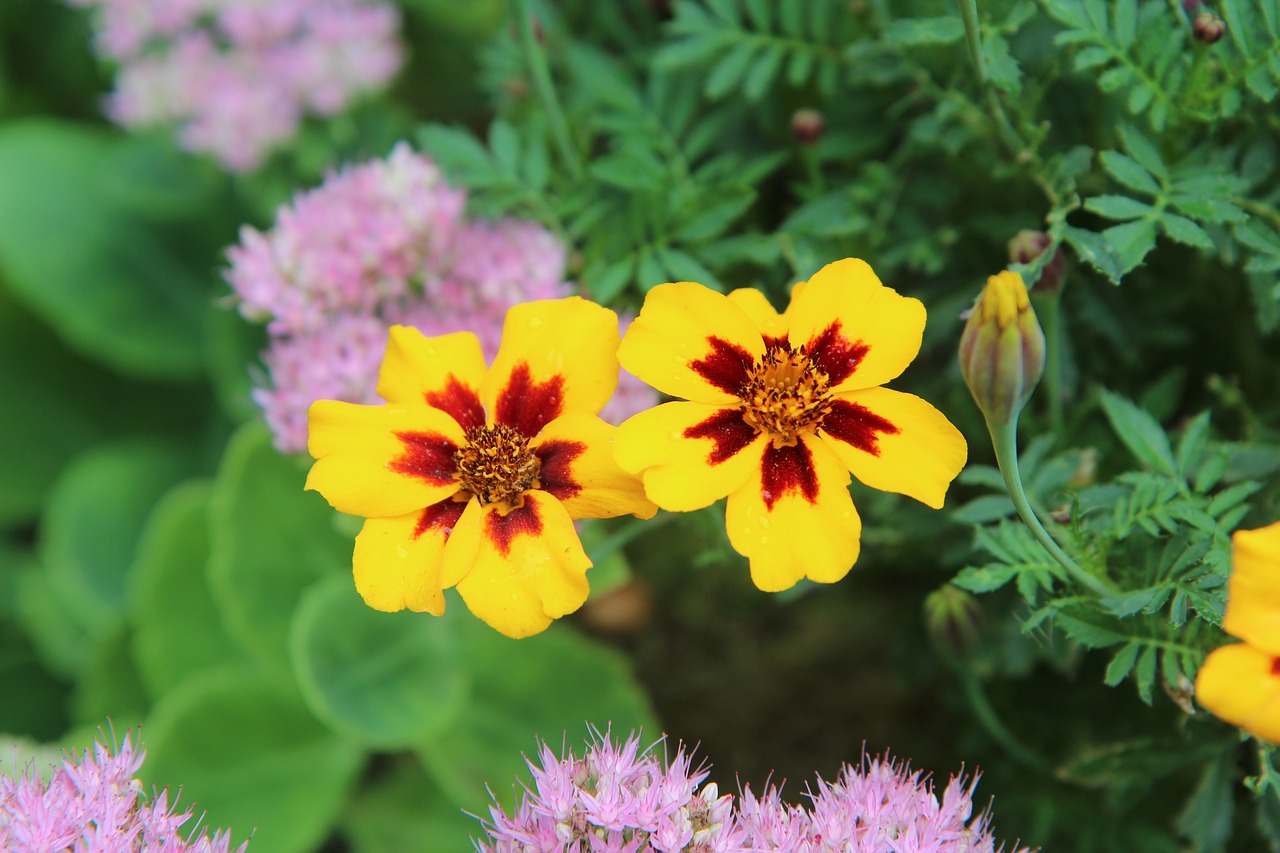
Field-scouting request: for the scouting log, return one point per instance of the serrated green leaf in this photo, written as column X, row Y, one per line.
column 979, row 579
column 1122, row 664
column 1144, row 674
column 1089, row 628
column 1002, row 68
column 1118, row 207
column 1094, row 250
column 721, row 209
column 611, row 280
column 1185, row 231
column 1093, row 56
column 1129, row 172
column 504, row 141
column 1140, row 433
column 1143, row 150
column 1131, row 242
column 683, row 266
column 1125, row 22
column 764, row 69
column 1192, row 443
column 1207, row 817
column 727, row 74
column 1259, row 81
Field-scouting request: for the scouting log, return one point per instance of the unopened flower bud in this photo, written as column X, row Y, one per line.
column 1026, row 246
column 1002, row 348
column 953, row 619
column 1208, row 27
column 807, row 126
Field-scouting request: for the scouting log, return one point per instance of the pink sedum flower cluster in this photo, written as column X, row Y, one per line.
column 382, row 243
column 238, row 76
column 93, row 804
column 620, row 799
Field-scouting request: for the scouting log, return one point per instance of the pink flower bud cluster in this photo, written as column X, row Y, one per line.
column 378, row 244
column 238, row 76
column 620, row 799
column 93, row 804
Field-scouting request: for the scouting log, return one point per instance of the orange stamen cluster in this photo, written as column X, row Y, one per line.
column 496, row 466
column 785, row 395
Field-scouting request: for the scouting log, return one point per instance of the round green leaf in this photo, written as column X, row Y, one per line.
column 90, row 528
column 252, row 758
column 177, row 629
column 269, row 541
column 544, row 686
column 78, row 257
column 108, row 686
column 387, row 679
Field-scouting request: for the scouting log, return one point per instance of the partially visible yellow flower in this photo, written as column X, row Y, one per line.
column 1002, row 348
column 779, row 409
column 1241, row 683
column 472, row 477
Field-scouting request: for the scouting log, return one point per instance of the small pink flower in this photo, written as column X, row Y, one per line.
column 238, row 76
column 95, row 803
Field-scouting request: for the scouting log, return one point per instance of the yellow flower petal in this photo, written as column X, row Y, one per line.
column 398, row 560
column 794, row 518
column 861, row 332
column 577, row 468
column 757, row 306
column 530, row 568
column 557, row 356
column 691, row 342
column 462, row 546
column 1253, row 592
column 444, row 372
column 381, row 460
column 896, row 442
column 688, row 454
column 1241, row 685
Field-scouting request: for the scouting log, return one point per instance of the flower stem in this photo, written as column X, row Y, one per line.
column 993, row 725
column 1004, row 438
column 540, row 73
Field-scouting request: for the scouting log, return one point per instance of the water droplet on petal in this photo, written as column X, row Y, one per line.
column 766, row 496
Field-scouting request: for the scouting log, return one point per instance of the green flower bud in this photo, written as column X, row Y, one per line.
column 953, row 619
column 1002, row 349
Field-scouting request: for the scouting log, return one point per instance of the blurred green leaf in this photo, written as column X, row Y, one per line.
column 109, row 686
column 83, row 261
column 1140, row 432
column 548, row 686
column 177, row 628
column 254, row 760
column 268, row 541
column 405, row 810
column 384, row 679
column 91, row 526
column 913, row 31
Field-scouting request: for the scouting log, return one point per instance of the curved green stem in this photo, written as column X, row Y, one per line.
column 1004, row 438
column 994, row 726
column 541, row 76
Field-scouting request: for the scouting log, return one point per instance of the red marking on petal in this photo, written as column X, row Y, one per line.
column 527, row 406
column 836, row 354
column 440, row 516
column 786, row 470
column 727, row 429
column 458, row 402
column 427, row 456
column 772, row 343
column 502, row 529
column 726, row 367
column 857, row 425
column 556, row 474
column 1275, row 666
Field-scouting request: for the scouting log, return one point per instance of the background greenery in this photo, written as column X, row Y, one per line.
column 160, row 564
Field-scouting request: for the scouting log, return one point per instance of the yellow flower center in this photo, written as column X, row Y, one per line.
column 785, row 395
column 496, row 465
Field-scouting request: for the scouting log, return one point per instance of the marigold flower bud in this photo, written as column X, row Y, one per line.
column 1208, row 27
column 1026, row 246
column 1002, row 348
column 953, row 619
column 807, row 126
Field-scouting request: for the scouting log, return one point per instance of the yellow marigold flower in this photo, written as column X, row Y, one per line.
column 1241, row 683
column 472, row 477
column 777, row 410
